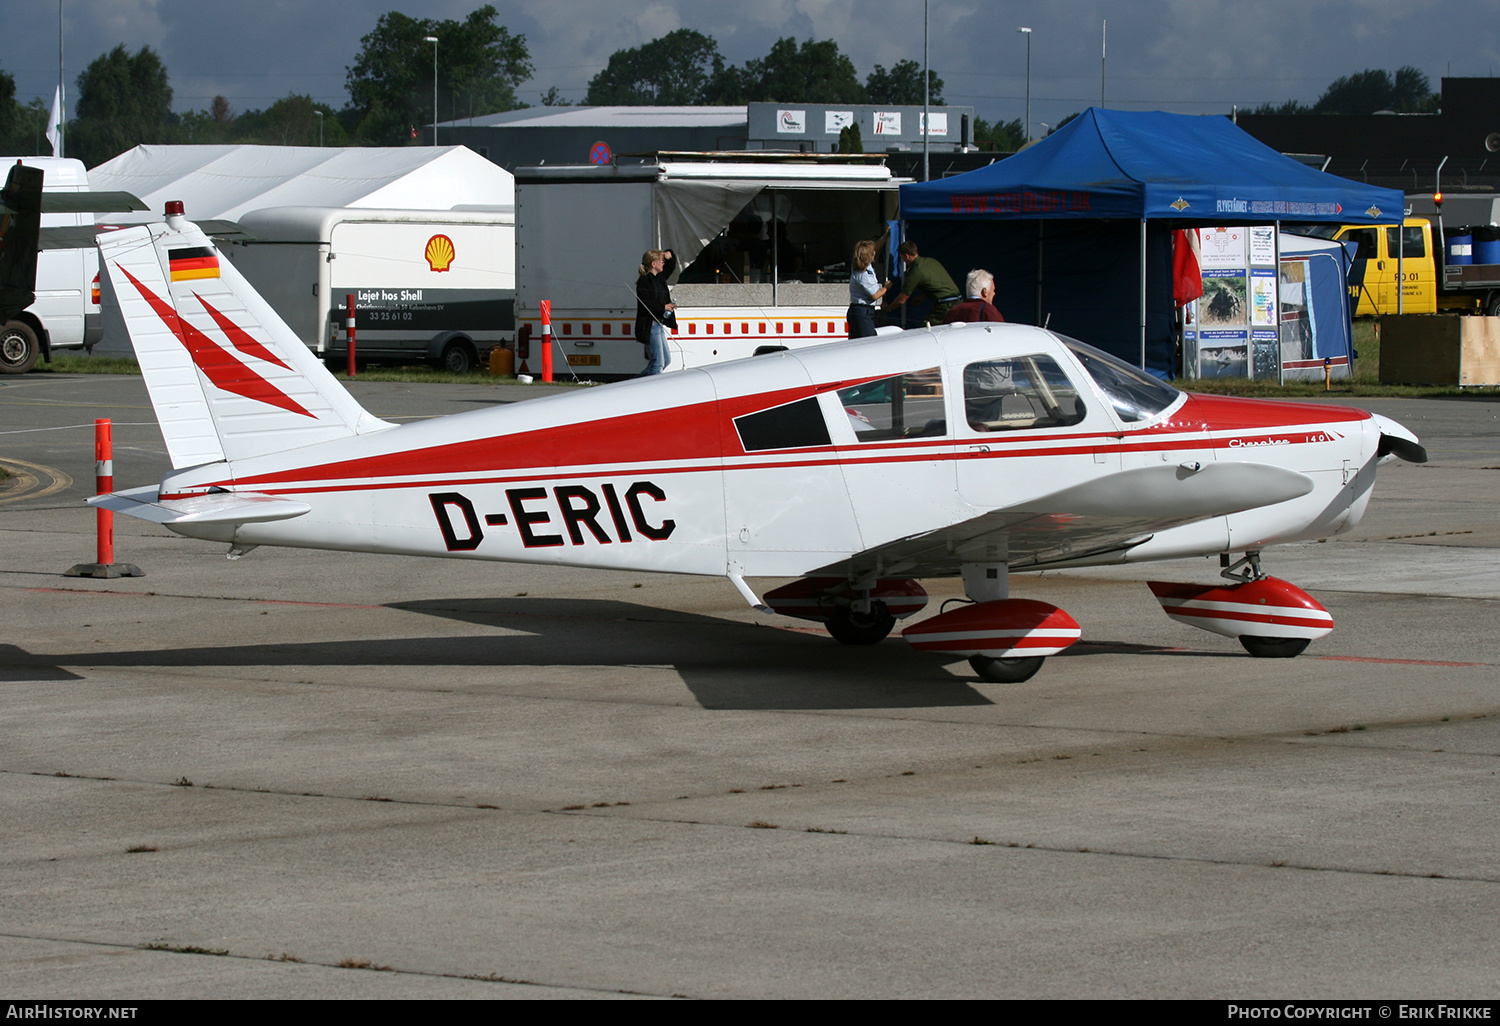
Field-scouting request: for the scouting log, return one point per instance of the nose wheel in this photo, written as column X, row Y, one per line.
column 1273, row 648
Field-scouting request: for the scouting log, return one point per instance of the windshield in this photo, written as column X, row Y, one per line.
column 1135, row 395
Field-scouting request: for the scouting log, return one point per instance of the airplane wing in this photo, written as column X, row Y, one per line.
column 1111, row 514
column 90, row 202
column 83, row 236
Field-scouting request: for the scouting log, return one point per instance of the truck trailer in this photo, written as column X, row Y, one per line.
column 762, row 248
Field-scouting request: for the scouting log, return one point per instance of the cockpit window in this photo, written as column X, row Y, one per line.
column 1019, row 393
column 1135, row 395
column 904, row 406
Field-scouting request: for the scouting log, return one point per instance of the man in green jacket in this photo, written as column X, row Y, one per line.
column 925, row 276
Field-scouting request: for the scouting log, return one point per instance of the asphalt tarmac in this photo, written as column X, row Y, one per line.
column 314, row 774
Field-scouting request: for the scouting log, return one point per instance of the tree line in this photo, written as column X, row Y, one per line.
column 123, row 99
column 1406, row 92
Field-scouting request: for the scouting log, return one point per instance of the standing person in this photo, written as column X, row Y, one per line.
column 864, row 290
column 926, row 276
column 654, row 309
column 979, row 299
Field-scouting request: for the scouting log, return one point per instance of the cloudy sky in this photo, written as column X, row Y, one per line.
column 1189, row 56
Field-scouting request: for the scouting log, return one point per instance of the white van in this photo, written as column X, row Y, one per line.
column 66, row 312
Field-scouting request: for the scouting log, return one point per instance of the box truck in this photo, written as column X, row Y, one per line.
column 434, row 286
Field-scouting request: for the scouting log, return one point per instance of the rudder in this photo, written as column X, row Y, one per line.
column 227, row 377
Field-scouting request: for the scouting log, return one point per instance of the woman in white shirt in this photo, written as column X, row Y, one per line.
column 864, row 290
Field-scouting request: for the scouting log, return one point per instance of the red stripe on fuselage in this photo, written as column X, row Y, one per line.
column 681, row 433
column 703, row 434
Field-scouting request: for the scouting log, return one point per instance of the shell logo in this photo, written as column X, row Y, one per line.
column 439, row 252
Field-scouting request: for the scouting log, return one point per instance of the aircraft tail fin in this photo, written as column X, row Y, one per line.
column 20, row 228
column 226, row 375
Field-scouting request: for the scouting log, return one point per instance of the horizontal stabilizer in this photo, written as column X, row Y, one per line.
column 214, row 508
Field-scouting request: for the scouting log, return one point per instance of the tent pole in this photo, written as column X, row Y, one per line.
column 1276, row 291
column 1143, row 293
column 1039, row 240
column 775, row 256
column 1400, row 269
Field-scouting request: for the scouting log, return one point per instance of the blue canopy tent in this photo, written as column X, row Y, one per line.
column 1077, row 228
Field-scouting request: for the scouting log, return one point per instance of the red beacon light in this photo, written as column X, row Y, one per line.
column 174, row 207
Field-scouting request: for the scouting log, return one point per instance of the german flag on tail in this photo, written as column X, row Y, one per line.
column 194, row 263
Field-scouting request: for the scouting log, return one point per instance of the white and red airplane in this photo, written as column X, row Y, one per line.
column 855, row 467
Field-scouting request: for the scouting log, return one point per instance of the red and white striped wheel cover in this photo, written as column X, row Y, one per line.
column 1007, row 627
column 812, row 598
column 1267, row 608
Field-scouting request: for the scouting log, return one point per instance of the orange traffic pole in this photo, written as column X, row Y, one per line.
column 104, row 483
column 104, row 520
column 546, row 306
column 349, row 326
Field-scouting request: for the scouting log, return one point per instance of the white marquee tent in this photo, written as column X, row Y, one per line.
column 226, row 182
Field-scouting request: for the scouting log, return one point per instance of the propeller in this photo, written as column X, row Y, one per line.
column 1396, row 441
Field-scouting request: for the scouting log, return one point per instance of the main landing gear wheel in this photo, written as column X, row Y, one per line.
column 851, row 628
column 18, row 348
column 1006, row 671
column 1273, row 648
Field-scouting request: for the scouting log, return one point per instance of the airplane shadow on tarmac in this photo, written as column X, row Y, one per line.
column 725, row 664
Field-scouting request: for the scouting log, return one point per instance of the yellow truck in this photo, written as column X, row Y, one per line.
column 1416, row 258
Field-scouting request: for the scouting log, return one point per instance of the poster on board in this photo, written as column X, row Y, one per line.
column 1262, row 245
column 1221, row 247
column 1263, row 297
column 1223, row 301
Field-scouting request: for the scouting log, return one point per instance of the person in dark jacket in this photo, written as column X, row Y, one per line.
column 979, row 300
column 924, row 277
column 654, row 308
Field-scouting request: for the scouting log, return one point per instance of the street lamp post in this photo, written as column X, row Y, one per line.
column 1027, row 33
column 320, row 127
column 434, row 42
column 926, row 100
